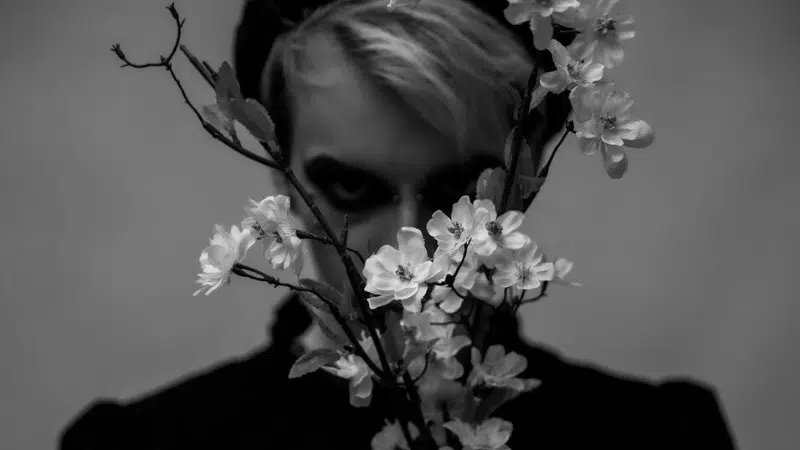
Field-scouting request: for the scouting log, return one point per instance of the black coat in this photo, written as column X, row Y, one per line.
column 250, row 403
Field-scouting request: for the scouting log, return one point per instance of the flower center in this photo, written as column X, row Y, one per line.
column 456, row 229
column 524, row 272
column 277, row 236
column 609, row 122
column 574, row 68
column 260, row 233
column 404, row 272
column 494, row 228
column 605, row 25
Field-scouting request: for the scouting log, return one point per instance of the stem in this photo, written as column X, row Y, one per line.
column 516, row 143
column 542, row 294
column 255, row 274
column 306, row 235
column 413, row 395
column 352, row 273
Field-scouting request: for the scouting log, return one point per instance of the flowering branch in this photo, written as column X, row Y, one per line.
column 498, row 265
column 255, row 274
column 166, row 63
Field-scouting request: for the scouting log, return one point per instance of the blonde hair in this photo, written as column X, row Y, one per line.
column 453, row 65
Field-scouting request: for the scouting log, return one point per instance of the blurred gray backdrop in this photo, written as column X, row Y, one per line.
column 110, row 190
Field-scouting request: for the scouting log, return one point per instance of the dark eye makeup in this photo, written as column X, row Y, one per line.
column 346, row 187
column 355, row 190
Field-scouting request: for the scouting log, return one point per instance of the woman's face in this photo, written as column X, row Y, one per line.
column 359, row 153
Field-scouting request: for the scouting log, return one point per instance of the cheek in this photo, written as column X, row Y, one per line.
column 367, row 235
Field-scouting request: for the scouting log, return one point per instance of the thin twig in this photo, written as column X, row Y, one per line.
column 254, row 274
column 166, row 63
column 306, row 235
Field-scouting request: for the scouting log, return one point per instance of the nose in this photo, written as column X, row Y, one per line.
column 411, row 212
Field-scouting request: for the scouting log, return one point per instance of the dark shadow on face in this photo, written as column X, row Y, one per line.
column 360, row 152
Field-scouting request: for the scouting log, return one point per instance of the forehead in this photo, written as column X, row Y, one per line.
column 341, row 113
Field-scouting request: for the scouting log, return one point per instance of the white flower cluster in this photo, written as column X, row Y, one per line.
column 484, row 254
column 268, row 221
column 481, row 256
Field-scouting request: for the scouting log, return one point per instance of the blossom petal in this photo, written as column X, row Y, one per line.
column 515, row 240
column 451, row 303
column 610, row 54
column 438, row 224
column 412, row 245
column 640, row 136
column 560, row 54
column 404, row 292
column 389, row 257
column 505, row 279
column 511, row 220
column 588, row 146
column 593, row 72
column 615, row 163
column 380, row 300
column 384, row 281
column 516, row 13
column 555, row 81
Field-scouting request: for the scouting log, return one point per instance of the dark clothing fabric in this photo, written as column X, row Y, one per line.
column 250, row 403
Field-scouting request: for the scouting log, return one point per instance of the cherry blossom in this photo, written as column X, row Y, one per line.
column 400, row 273
column 601, row 33
column 603, row 122
column 391, row 437
column 570, row 72
column 491, row 434
column 499, row 369
column 454, row 231
column 270, row 220
column 562, row 268
column 217, row 260
column 524, row 268
column 353, row 367
column 539, row 13
column 497, row 232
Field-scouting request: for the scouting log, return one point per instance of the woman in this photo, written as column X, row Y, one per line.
column 388, row 116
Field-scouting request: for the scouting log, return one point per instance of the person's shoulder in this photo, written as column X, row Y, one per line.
column 225, row 394
column 585, row 405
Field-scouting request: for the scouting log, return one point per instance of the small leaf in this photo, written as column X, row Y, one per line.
column 327, row 323
column 528, row 185
column 508, row 149
column 255, row 118
column 394, row 338
column 227, row 87
column 344, row 305
column 312, row 361
column 537, row 96
column 214, row 116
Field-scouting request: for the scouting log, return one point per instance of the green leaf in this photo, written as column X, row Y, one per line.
column 394, row 339
column 312, row 361
column 326, row 321
column 343, row 305
column 255, row 118
column 227, row 87
column 528, row 185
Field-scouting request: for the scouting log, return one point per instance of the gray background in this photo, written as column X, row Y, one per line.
column 110, row 190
